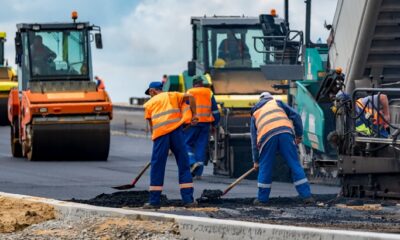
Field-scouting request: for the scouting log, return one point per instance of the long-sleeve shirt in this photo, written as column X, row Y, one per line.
column 292, row 115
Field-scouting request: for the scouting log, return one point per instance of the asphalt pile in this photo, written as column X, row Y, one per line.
column 329, row 211
column 121, row 199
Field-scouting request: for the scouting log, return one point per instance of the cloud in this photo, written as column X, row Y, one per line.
column 145, row 39
column 155, row 38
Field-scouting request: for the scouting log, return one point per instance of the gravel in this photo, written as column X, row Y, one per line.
column 102, row 228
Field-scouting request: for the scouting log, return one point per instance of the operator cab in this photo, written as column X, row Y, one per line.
column 235, row 49
column 54, row 52
column 226, row 42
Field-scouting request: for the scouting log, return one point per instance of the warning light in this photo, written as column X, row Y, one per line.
column 273, row 12
column 74, row 15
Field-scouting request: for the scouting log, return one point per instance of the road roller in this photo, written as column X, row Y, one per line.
column 8, row 81
column 60, row 111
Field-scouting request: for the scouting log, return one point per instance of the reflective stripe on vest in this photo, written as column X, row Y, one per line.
column 269, row 117
column 177, row 110
column 369, row 112
column 165, row 109
column 202, row 96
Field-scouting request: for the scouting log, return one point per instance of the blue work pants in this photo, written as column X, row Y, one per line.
column 285, row 145
column 161, row 146
column 197, row 138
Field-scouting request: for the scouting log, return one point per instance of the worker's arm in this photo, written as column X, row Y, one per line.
column 147, row 116
column 294, row 117
column 254, row 148
column 50, row 53
column 385, row 106
column 189, row 98
column 215, row 111
column 150, row 125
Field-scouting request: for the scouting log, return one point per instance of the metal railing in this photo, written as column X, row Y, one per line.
column 281, row 48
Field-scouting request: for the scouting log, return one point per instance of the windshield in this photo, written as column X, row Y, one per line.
column 234, row 47
column 58, row 53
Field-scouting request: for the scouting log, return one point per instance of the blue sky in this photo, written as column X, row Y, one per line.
column 143, row 39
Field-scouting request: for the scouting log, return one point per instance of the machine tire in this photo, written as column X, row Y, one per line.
column 4, row 112
column 4, row 120
column 16, row 147
column 30, row 154
column 240, row 161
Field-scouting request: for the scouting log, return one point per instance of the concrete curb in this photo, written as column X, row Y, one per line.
column 207, row 228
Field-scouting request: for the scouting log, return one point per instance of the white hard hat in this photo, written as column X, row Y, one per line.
column 265, row 95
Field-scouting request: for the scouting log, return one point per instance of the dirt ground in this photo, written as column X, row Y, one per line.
column 329, row 211
column 16, row 214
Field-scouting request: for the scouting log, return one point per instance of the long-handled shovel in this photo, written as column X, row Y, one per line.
column 132, row 185
column 217, row 194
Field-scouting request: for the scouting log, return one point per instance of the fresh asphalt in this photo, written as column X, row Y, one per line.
column 84, row 180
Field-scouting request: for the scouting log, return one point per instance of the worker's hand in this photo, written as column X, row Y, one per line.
column 256, row 166
column 298, row 140
column 387, row 117
column 195, row 120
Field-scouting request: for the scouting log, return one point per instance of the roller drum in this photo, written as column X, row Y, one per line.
column 70, row 141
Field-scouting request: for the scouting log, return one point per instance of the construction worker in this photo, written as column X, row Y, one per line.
column 164, row 113
column 42, row 57
column 276, row 127
column 369, row 122
column 234, row 51
column 197, row 136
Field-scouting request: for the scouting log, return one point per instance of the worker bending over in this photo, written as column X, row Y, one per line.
column 197, row 136
column 369, row 122
column 164, row 113
column 271, row 129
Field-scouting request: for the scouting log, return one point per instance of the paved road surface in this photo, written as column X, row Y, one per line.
column 84, row 180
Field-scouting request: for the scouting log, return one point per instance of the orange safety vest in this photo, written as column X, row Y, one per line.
column 165, row 112
column 186, row 113
column 202, row 96
column 269, row 117
column 370, row 112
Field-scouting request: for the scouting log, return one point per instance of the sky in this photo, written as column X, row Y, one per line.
column 144, row 39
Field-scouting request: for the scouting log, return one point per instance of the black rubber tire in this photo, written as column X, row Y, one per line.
column 16, row 147
column 240, row 161
column 4, row 112
column 281, row 171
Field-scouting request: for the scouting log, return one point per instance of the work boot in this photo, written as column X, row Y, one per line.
column 151, row 206
column 257, row 202
column 309, row 201
column 191, row 205
column 194, row 168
